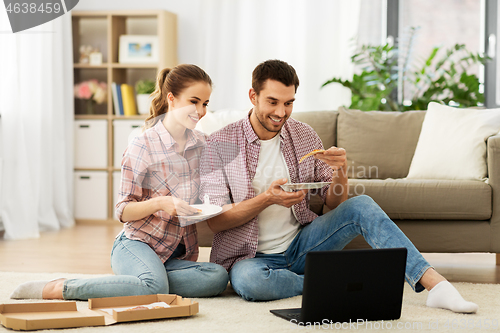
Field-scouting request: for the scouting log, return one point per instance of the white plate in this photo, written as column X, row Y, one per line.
column 207, row 211
column 302, row 186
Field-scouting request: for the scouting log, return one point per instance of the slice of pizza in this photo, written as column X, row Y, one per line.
column 198, row 212
column 314, row 152
column 139, row 307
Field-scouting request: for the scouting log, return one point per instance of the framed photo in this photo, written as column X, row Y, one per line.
column 138, row 49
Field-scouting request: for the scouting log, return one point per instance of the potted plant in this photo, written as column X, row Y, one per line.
column 144, row 89
column 383, row 68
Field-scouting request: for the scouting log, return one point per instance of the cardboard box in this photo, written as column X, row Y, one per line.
column 36, row 316
column 179, row 307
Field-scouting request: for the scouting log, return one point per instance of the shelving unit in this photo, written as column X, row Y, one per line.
column 102, row 29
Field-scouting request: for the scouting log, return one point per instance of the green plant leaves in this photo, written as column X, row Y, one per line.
column 438, row 78
column 145, row 87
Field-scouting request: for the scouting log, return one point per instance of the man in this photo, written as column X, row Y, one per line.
column 264, row 232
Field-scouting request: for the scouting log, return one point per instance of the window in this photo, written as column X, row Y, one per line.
column 491, row 72
column 442, row 23
column 372, row 22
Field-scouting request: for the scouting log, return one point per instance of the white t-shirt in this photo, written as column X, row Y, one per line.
column 277, row 224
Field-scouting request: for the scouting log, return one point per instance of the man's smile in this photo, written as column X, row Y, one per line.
column 276, row 121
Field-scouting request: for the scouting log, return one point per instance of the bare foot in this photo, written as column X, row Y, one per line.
column 53, row 289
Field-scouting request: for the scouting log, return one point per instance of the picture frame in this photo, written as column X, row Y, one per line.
column 134, row 49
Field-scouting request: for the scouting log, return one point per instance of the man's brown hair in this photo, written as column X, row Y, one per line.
column 276, row 70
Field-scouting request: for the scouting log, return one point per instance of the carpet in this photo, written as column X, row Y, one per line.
column 229, row 313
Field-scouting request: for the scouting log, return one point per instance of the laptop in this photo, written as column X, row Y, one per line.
column 350, row 285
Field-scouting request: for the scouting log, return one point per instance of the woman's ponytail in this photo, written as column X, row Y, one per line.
column 159, row 104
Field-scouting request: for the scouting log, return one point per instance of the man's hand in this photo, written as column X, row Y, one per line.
column 276, row 195
column 334, row 157
column 239, row 214
column 175, row 206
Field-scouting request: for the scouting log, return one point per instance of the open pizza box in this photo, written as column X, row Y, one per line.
column 101, row 311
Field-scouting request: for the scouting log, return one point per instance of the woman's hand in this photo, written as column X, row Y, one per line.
column 175, row 206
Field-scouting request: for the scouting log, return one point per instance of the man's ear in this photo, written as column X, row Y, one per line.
column 253, row 96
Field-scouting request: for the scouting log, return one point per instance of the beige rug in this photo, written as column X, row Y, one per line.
column 229, row 313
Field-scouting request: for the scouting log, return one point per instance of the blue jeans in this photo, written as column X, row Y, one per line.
column 139, row 271
column 275, row 276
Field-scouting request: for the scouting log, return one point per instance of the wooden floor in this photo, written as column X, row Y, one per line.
column 86, row 249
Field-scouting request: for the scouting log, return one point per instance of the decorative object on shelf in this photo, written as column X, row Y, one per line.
column 93, row 91
column 139, row 49
column 429, row 80
column 144, row 89
column 90, row 55
column 95, row 58
column 85, row 51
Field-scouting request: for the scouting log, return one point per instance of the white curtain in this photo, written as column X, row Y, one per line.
column 36, row 108
column 314, row 36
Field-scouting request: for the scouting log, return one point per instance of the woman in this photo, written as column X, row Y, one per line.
column 154, row 253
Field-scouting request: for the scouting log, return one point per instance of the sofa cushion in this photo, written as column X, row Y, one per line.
column 452, row 143
column 425, row 199
column 379, row 144
column 323, row 122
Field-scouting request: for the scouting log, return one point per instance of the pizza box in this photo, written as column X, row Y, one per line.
column 37, row 316
column 101, row 311
column 179, row 307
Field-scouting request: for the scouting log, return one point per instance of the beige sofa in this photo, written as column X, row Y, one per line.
column 437, row 215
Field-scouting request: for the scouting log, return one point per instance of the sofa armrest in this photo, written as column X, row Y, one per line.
column 493, row 160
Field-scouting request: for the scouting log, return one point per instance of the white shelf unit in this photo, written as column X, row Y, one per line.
column 101, row 137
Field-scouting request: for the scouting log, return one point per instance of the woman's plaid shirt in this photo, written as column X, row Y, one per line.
column 151, row 167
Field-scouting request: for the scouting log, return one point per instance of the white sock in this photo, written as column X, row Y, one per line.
column 445, row 296
column 29, row 290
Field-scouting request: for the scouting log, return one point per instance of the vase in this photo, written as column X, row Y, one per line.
column 91, row 104
column 143, row 103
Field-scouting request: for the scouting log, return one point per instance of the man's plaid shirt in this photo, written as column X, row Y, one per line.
column 228, row 165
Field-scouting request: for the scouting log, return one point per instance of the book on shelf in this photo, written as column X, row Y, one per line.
column 117, row 98
column 128, row 99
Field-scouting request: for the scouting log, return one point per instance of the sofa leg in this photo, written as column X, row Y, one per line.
column 498, row 259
